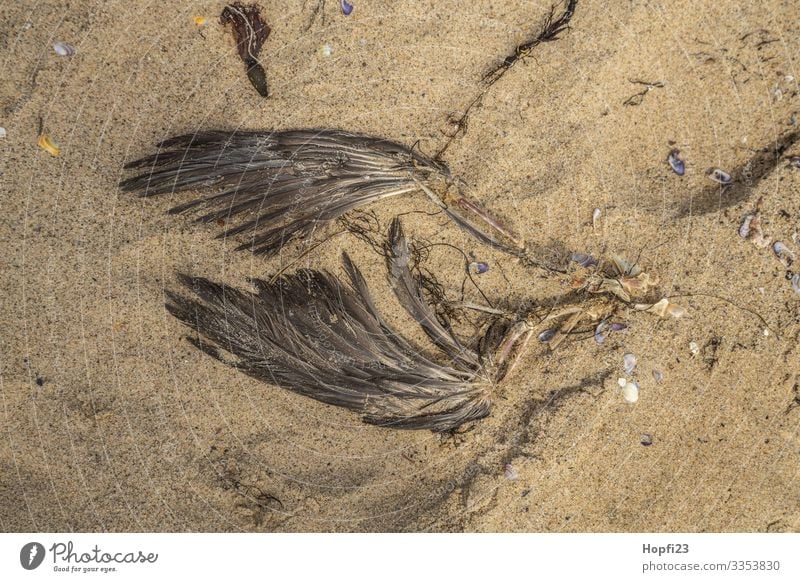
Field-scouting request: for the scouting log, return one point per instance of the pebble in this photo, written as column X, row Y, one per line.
column 694, row 348
column 646, row 440
column 3, row 132
column 658, row 376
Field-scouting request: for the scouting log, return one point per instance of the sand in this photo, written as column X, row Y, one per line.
column 111, row 420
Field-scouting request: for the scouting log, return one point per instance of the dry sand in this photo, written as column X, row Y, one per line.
column 112, row 421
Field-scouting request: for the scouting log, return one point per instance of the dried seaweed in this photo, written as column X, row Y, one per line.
column 638, row 98
column 250, row 32
column 315, row 335
column 549, row 31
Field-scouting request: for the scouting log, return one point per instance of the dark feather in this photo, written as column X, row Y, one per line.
column 313, row 334
column 280, row 186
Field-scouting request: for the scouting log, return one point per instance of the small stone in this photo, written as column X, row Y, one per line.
column 646, row 440
column 694, row 348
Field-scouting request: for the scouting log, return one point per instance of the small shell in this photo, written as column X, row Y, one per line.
column 744, row 228
column 3, row 132
column 756, row 234
column 796, row 283
column 478, row 268
column 584, row 260
column 599, row 332
column 783, row 253
column 663, row 308
column 200, row 20
column 630, row 392
column 794, row 161
column 694, row 348
column 675, row 311
column 327, row 50
column 511, row 473
column 47, row 144
column 63, row 49
column 658, row 376
column 596, row 214
column 622, row 382
column 629, row 363
column 675, row 162
column 618, row 326
column 719, row 176
column 547, row 335
column 646, row 440
column 347, row 8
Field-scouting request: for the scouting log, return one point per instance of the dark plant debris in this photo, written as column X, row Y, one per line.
column 250, row 32
column 637, row 98
column 549, row 31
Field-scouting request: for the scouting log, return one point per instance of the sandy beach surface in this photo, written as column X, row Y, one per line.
column 112, row 420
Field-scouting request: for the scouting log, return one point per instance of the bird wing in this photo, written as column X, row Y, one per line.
column 314, row 335
column 279, row 186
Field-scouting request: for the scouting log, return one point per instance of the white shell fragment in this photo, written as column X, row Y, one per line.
column 663, row 308
column 796, row 283
column 2, row 132
column 658, row 376
column 327, row 50
column 622, row 382
column 630, row 392
column 744, row 229
column 719, row 176
column 694, row 348
column 628, row 363
column 596, row 214
column 63, row 49
column 783, row 253
column 511, row 473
